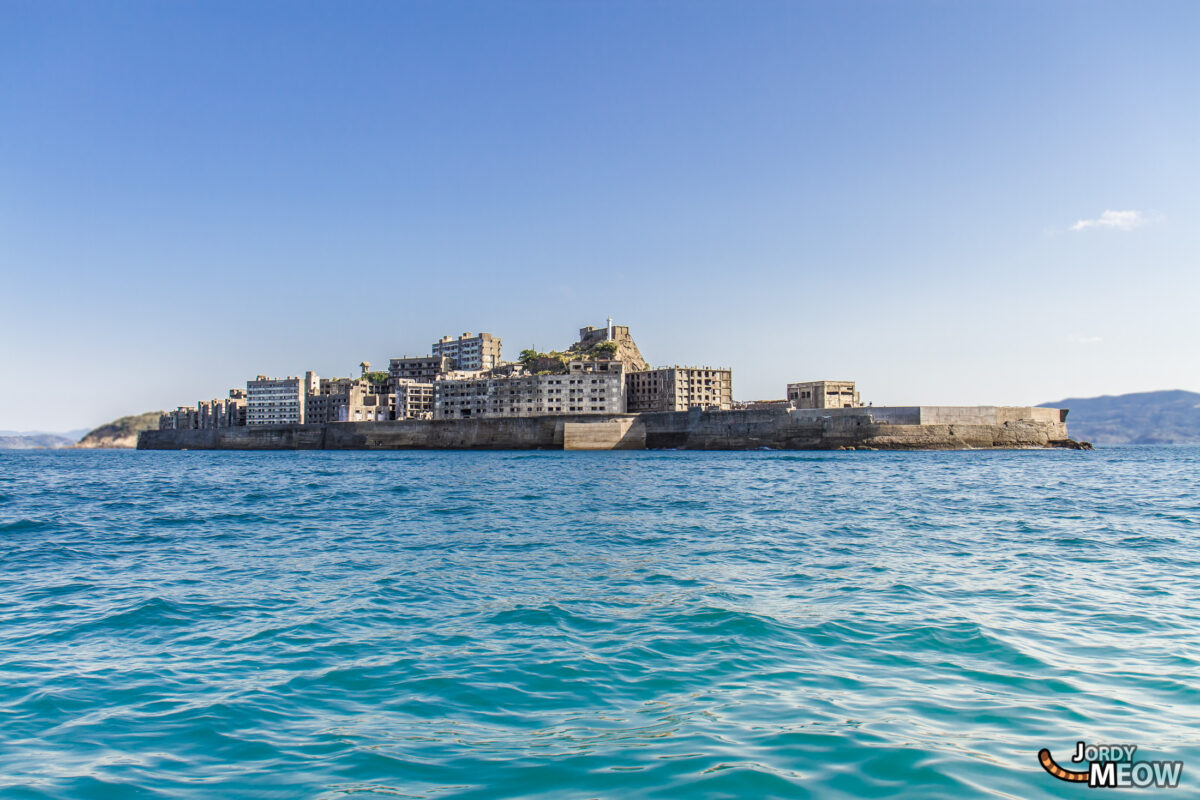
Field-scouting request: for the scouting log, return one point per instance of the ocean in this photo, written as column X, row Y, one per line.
column 579, row 625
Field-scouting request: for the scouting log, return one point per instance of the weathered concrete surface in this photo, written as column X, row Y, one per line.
column 811, row 429
column 250, row 437
column 614, row 434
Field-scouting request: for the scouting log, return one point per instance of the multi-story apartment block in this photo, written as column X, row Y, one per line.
column 422, row 369
column 412, row 400
column 587, row 388
column 235, row 406
column 823, row 394
column 679, row 389
column 470, row 353
column 322, row 405
column 367, row 408
column 279, row 401
column 228, row 412
column 181, row 419
column 349, row 400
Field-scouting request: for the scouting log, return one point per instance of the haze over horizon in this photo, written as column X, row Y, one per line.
column 985, row 203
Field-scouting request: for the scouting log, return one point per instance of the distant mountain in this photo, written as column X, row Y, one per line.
column 1169, row 417
column 33, row 440
column 122, row 432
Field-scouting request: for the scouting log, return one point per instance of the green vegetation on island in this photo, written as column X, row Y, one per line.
column 556, row 361
column 121, row 432
column 552, row 363
column 600, row 350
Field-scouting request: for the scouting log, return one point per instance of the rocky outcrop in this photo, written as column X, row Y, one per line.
column 1071, row 444
column 621, row 347
column 120, row 433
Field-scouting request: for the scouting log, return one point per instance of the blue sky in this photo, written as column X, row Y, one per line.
column 986, row 202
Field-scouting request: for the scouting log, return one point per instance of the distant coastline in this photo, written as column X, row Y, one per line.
column 119, row 434
column 1164, row 417
column 35, row 440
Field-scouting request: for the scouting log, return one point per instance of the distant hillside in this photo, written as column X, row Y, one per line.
column 1169, row 417
column 33, row 440
column 120, row 433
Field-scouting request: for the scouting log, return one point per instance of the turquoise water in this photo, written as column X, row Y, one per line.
column 573, row 625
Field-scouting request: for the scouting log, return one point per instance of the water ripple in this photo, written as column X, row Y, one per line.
column 481, row 625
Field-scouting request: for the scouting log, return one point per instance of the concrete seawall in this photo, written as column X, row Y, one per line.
column 897, row 428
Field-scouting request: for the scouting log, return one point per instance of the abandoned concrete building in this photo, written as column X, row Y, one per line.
column 465, row 377
column 423, row 369
column 277, row 401
column 224, row 412
column 679, row 389
column 823, row 394
column 412, row 400
column 584, row 389
column 469, row 353
column 348, row 400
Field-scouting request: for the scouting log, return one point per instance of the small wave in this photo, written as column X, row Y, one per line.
column 155, row 612
column 1148, row 541
column 25, row 526
column 545, row 616
column 174, row 521
column 900, row 625
column 462, row 509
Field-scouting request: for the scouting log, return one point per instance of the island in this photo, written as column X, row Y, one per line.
column 598, row 394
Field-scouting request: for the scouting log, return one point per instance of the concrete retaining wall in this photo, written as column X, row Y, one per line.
column 611, row 434
column 810, row 429
column 987, row 415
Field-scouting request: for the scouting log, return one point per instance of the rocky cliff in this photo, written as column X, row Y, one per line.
column 621, row 347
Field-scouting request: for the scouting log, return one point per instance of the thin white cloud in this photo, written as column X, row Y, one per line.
column 1115, row 220
column 1076, row 339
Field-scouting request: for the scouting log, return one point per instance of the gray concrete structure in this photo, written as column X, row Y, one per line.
column 412, row 400
column 588, row 387
column 609, row 333
column 470, row 352
column 349, row 400
column 222, row 412
column 823, row 394
column 278, row 401
column 422, row 369
column 183, row 418
column 679, row 389
column 913, row 428
column 226, row 412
